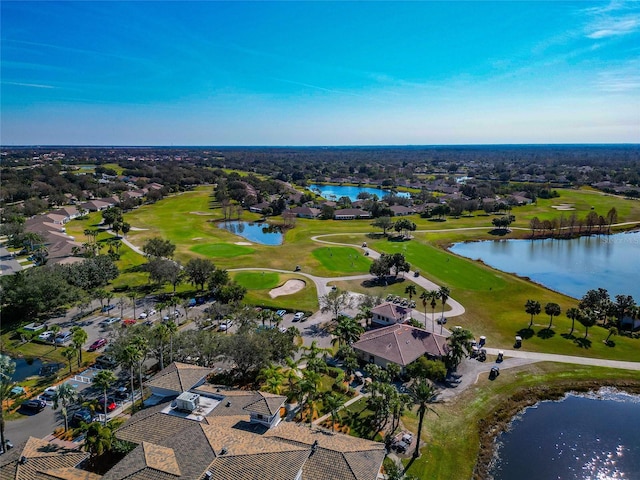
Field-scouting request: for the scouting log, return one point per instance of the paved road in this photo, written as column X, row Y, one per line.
column 8, row 263
column 550, row 357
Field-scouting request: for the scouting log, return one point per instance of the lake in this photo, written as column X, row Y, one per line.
column 257, row 232
column 568, row 266
column 581, row 437
column 334, row 192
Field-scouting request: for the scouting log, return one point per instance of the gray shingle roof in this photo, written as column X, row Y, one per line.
column 179, row 377
column 401, row 344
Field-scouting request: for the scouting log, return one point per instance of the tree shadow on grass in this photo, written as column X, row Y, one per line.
column 583, row 342
column 500, row 232
column 610, row 343
column 568, row 336
column 546, row 333
column 525, row 333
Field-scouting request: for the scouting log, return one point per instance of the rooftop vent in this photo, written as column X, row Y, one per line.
column 223, row 451
column 228, row 404
column 208, row 475
column 23, row 460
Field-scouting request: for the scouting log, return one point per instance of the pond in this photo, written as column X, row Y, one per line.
column 334, row 192
column 581, row 437
column 568, row 266
column 26, row 369
column 257, row 232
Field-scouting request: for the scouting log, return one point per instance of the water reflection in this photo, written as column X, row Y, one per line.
column 568, row 266
column 263, row 233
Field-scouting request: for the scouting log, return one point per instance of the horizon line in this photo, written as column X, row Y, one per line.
column 426, row 145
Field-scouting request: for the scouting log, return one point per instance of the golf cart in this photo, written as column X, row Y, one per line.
column 493, row 374
column 518, row 343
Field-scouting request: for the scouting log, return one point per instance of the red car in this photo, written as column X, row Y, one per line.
column 129, row 321
column 111, row 405
column 101, row 342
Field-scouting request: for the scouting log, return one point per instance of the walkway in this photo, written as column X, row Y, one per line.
column 551, row 357
column 318, row 421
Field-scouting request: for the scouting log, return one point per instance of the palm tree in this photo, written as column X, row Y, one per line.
column 308, row 387
column 129, row 359
column 613, row 331
column 422, row 394
column 443, row 294
column 172, row 329
column 333, row 403
column 78, row 339
column 55, row 328
column 424, row 296
column 411, row 291
column 573, row 314
column 272, row 378
column 347, row 331
column 532, row 307
column 553, row 310
column 7, row 369
column 434, row 295
column 65, row 395
column 142, row 345
column 102, row 381
column 162, row 334
column 122, row 302
column 588, row 319
column 69, row 353
column 132, row 296
column 97, row 439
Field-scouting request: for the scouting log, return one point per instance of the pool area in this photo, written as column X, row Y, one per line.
column 257, row 232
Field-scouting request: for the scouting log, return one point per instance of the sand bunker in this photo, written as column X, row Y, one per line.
column 200, row 213
column 196, row 238
column 138, row 229
column 243, row 243
column 564, row 207
column 289, row 288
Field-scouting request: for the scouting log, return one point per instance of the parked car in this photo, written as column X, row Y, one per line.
column 110, row 321
column 82, row 415
column 129, row 321
column 298, row 316
column 101, row 342
column 34, row 405
column 226, row 325
column 281, row 313
column 7, row 444
column 111, row 405
column 63, row 337
column 143, row 315
column 107, row 308
column 46, row 336
column 122, row 393
column 48, row 394
column 442, row 320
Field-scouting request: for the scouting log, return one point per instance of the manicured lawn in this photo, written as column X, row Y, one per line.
column 257, row 280
column 222, row 250
column 342, row 259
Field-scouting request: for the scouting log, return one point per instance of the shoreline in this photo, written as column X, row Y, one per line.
column 498, row 421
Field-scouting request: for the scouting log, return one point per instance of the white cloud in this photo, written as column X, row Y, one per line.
column 31, row 85
column 623, row 79
column 611, row 27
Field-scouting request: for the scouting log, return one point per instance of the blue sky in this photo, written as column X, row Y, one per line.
column 319, row 73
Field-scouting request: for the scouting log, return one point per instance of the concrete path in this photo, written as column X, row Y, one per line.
column 550, row 357
column 318, row 421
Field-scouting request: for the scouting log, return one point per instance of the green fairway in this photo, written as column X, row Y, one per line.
column 257, row 280
column 342, row 259
column 221, row 250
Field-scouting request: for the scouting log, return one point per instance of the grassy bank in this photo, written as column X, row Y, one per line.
column 459, row 437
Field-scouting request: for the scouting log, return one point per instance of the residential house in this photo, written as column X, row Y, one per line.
column 229, row 436
column 350, row 214
column 389, row 313
column 399, row 344
column 401, row 210
column 306, row 212
column 38, row 459
column 175, row 379
column 259, row 207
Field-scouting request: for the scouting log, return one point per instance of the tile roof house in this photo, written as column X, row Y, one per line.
column 350, row 214
column 38, row 459
column 388, row 313
column 306, row 212
column 399, row 344
column 175, row 379
column 230, row 442
column 401, row 210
